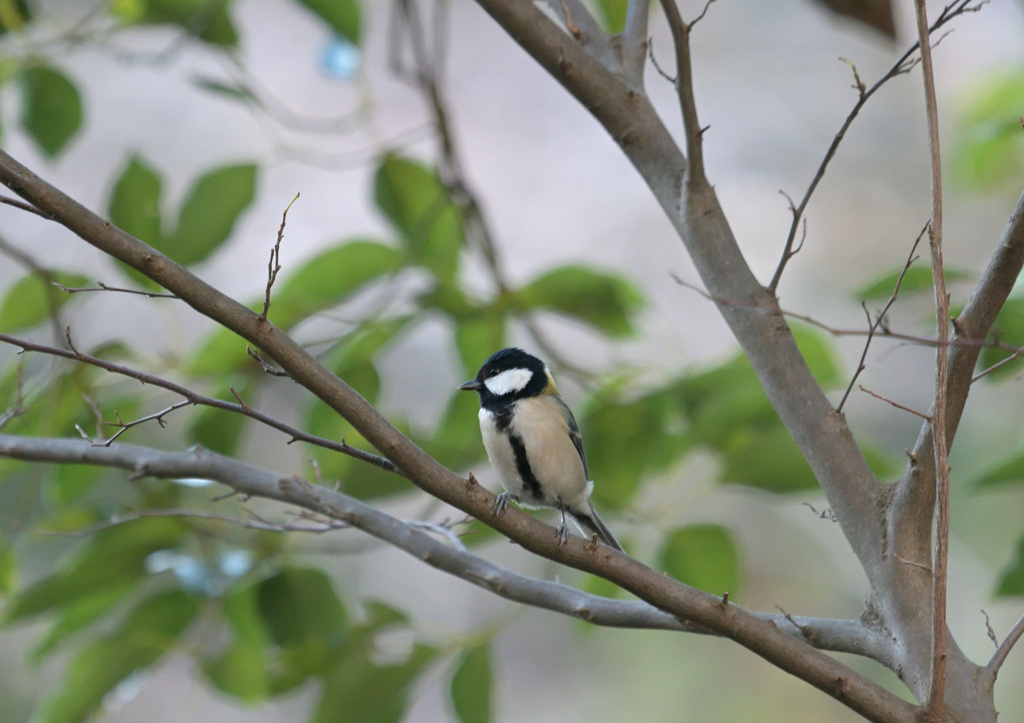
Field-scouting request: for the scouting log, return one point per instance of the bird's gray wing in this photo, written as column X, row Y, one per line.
column 574, row 432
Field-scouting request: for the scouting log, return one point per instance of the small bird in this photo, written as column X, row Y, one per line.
column 533, row 442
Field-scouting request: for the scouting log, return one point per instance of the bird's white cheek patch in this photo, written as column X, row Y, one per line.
column 510, row 380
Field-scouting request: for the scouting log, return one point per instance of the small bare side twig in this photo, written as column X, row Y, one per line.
column 263, row 363
column 916, row 413
column 100, row 286
column 123, row 426
column 989, row 630
column 873, row 326
column 24, row 206
column 825, row 514
column 274, row 264
column 1004, row 648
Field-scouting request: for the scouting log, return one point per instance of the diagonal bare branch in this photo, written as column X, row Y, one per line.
column 826, row 634
column 193, row 397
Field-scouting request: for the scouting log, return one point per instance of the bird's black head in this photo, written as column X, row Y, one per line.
column 510, row 374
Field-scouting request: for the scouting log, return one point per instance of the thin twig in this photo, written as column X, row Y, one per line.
column 24, row 206
column 989, row 630
column 902, row 66
column 684, row 89
column 274, row 264
column 196, row 398
column 883, row 331
column 100, row 286
column 873, row 326
column 1016, row 632
column 922, row 415
column 263, row 363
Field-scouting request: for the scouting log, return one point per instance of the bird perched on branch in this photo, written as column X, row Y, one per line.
column 533, row 442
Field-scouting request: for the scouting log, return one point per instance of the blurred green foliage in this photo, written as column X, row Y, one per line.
column 989, row 151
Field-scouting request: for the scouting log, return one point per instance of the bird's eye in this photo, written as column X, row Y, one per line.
column 492, row 371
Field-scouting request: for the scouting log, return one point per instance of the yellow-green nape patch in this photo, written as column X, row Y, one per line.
column 550, row 388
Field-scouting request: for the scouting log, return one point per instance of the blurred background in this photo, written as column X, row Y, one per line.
column 315, row 111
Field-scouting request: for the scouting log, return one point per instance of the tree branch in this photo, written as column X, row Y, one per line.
column 684, row 89
column 992, row 669
column 193, row 397
column 635, row 41
column 849, row 636
column 935, row 705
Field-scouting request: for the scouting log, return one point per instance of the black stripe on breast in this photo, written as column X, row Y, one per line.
column 523, row 467
column 503, row 417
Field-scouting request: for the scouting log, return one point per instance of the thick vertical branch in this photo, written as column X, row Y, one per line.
column 937, row 689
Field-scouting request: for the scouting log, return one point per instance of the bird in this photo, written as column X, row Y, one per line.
column 533, row 442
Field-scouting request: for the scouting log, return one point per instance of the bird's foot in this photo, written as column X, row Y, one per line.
column 501, row 502
column 563, row 530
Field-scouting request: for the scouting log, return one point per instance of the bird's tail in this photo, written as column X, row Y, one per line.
column 591, row 524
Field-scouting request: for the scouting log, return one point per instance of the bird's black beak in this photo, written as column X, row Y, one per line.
column 473, row 385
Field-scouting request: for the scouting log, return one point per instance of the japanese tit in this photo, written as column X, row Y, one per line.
column 533, row 442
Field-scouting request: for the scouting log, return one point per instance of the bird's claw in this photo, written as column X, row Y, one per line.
column 501, row 502
column 563, row 534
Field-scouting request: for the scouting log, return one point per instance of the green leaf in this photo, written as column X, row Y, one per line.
column 628, row 439
column 208, row 20
column 210, row 212
column 145, row 636
column 1010, row 472
column 233, row 91
column 612, row 13
column 32, row 299
column 916, row 278
column 112, row 557
column 819, row 353
column 357, row 690
column 13, row 15
column 604, row 301
column 1011, row 582
column 989, row 150
column 329, row 278
column 300, row 608
column 241, row 670
column 217, row 429
column 79, row 615
column 70, row 481
column 8, row 569
column 471, row 686
column 703, row 556
column 1009, row 329
column 222, row 353
column 343, row 16
column 456, row 440
column 418, row 205
column 51, row 108
column 768, row 459
column 479, row 336
column 353, row 361
column 135, row 202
